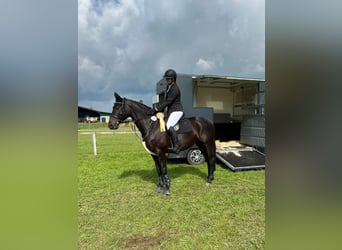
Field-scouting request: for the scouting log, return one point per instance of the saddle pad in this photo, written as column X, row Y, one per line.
column 183, row 126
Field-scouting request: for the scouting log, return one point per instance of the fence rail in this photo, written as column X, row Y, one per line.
column 94, row 132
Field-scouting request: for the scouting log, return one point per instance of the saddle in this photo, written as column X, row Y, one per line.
column 183, row 126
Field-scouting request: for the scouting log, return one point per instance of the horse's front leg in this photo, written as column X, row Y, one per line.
column 160, row 185
column 166, row 179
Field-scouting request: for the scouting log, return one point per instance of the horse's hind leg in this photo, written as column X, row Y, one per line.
column 211, row 168
column 212, row 161
column 209, row 151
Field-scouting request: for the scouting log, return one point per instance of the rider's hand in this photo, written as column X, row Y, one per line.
column 157, row 107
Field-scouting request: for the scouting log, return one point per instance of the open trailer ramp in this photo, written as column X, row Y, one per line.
column 239, row 157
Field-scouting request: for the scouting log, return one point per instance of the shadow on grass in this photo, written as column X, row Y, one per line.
column 174, row 168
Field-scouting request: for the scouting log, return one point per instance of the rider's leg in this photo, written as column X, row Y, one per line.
column 171, row 122
column 174, row 139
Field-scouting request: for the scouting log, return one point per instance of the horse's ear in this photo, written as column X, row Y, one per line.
column 117, row 97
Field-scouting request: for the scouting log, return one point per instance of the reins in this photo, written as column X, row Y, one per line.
column 134, row 129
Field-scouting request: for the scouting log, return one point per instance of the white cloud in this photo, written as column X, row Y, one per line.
column 126, row 46
column 259, row 68
column 205, row 64
column 91, row 75
column 86, row 65
column 209, row 65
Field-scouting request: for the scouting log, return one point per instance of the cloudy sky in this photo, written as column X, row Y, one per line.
column 126, row 45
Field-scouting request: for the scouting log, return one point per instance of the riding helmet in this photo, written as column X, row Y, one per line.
column 170, row 73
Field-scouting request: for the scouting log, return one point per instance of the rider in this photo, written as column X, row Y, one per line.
column 172, row 106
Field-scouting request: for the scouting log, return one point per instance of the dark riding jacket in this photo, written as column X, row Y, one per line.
column 172, row 100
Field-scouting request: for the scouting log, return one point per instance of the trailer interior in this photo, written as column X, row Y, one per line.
column 237, row 107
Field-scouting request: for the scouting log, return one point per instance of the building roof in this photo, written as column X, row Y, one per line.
column 84, row 112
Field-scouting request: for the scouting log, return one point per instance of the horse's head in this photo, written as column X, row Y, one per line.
column 119, row 114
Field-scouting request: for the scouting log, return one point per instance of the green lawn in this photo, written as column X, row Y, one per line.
column 118, row 208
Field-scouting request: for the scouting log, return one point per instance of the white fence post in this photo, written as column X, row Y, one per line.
column 94, row 143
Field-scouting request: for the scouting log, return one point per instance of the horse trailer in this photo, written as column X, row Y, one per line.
column 236, row 106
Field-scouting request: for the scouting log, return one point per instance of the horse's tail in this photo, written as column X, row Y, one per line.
column 207, row 143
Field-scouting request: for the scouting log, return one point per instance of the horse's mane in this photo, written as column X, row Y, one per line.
column 142, row 105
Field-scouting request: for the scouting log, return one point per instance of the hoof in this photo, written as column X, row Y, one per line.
column 159, row 189
column 167, row 192
column 207, row 184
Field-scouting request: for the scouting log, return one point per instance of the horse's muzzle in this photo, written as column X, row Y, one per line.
column 113, row 126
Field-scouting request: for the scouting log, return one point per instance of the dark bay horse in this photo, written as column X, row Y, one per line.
column 203, row 134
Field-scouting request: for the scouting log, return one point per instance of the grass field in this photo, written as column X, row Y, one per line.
column 118, row 208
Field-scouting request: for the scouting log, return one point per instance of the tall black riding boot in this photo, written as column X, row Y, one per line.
column 173, row 135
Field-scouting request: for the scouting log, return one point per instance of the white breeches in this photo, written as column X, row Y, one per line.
column 173, row 119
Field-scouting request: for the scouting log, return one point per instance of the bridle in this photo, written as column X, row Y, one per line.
column 119, row 119
column 119, row 116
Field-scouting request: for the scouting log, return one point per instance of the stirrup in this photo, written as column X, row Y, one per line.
column 174, row 150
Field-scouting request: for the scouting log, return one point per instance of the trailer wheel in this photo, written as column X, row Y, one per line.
column 195, row 157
